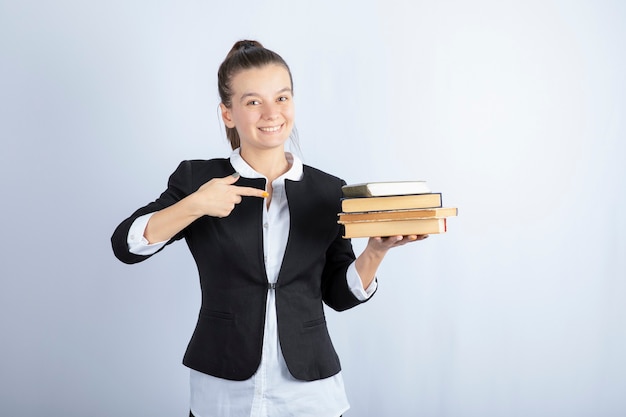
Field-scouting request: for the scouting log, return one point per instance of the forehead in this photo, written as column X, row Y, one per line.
column 267, row 79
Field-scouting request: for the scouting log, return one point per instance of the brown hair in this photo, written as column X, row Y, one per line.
column 243, row 55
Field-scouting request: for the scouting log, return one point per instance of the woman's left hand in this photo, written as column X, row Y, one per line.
column 383, row 244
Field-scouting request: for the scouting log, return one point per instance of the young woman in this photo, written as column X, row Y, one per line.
column 262, row 228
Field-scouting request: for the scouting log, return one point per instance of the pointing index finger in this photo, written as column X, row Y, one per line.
column 251, row 192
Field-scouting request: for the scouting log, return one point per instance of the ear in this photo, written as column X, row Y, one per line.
column 227, row 116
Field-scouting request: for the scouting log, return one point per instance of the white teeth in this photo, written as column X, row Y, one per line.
column 270, row 129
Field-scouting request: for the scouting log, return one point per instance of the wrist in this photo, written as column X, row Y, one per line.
column 193, row 206
column 374, row 251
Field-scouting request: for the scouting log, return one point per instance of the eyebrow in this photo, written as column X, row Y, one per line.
column 252, row 94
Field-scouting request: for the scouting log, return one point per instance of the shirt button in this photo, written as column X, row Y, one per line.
column 265, row 225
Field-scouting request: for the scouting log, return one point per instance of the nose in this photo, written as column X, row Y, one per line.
column 270, row 112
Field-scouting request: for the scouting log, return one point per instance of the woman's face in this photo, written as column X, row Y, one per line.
column 262, row 107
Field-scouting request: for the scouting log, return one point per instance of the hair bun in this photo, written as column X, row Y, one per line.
column 242, row 46
column 247, row 44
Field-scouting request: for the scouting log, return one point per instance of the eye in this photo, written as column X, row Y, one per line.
column 253, row 103
column 283, row 98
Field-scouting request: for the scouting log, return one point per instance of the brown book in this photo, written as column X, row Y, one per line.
column 395, row 228
column 398, row 202
column 379, row 189
column 398, row 214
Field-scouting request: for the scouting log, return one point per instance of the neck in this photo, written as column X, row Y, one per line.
column 269, row 163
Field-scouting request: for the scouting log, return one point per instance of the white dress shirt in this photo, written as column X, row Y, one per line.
column 272, row 390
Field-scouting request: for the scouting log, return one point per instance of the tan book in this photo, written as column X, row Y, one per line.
column 395, row 228
column 380, row 189
column 398, row 214
column 415, row 201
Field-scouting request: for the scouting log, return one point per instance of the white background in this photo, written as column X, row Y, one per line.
column 513, row 110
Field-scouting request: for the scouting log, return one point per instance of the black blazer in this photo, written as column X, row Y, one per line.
column 228, row 337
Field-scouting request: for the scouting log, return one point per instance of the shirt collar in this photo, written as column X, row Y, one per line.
column 241, row 166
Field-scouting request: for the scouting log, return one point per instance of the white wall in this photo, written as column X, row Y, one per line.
column 513, row 110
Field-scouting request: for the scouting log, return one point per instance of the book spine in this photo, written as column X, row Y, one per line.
column 421, row 201
column 394, row 228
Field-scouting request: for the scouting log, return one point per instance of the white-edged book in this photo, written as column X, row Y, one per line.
column 383, row 189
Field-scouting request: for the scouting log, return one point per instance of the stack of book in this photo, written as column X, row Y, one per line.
column 392, row 209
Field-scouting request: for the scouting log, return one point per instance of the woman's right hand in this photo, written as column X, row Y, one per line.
column 218, row 197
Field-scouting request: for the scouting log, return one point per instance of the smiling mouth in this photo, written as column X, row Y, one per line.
column 271, row 129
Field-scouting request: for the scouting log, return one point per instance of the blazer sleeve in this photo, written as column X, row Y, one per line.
column 178, row 187
column 336, row 292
